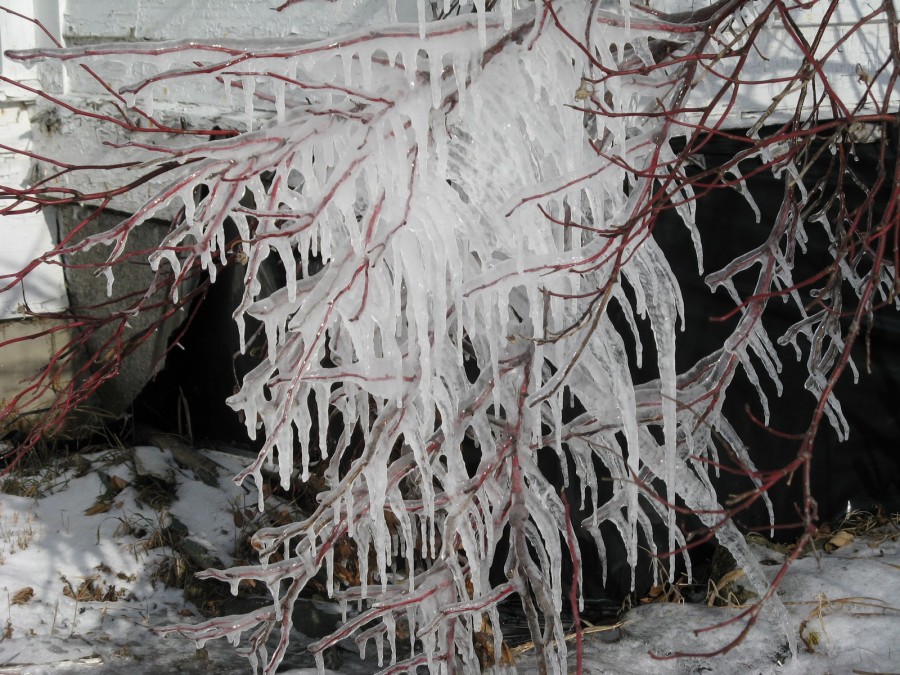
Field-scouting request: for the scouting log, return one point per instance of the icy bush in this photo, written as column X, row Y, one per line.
column 457, row 205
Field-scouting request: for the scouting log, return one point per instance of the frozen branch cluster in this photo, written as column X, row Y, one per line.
column 457, row 205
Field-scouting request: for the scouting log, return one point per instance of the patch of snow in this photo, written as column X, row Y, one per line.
column 843, row 604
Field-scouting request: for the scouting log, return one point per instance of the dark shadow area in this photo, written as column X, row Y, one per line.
column 860, row 473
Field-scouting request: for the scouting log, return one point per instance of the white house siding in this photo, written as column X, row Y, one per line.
column 775, row 55
column 96, row 21
column 24, row 237
column 109, row 20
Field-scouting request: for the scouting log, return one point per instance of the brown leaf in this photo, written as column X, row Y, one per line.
column 97, row 508
column 22, row 596
column 117, row 484
column 655, row 594
column 344, row 575
column 840, row 539
column 483, row 641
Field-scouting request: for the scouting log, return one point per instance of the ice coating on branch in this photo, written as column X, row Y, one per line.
column 454, row 235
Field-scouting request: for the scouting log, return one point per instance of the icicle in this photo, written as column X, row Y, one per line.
column 556, row 403
column 752, row 376
column 362, row 543
column 506, row 8
column 365, row 63
column 327, row 157
column 390, row 626
column 303, row 426
column 436, row 71
column 249, row 86
column 460, row 73
column 362, row 649
column 411, row 623
column 322, row 401
column 741, row 187
column 664, row 329
column 285, row 449
column 329, row 572
column 482, row 31
column 351, row 521
column 423, row 18
column 226, row 84
column 148, row 101
column 278, row 86
column 410, row 58
column 376, row 482
column 108, row 273
column 347, row 67
column 258, row 481
column 625, row 9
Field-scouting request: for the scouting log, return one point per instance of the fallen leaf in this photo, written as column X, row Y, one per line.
column 99, row 507
column 117, row 484
column 840, row 539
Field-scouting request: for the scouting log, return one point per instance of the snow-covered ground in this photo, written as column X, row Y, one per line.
column 84, row 555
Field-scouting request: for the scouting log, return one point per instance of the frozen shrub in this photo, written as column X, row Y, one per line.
column 457, row 205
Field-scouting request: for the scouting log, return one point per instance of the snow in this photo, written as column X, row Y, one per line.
column 842, row 603
column 847, row 599
column 57, row 541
